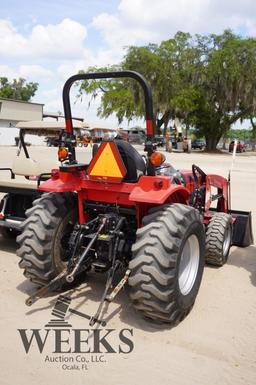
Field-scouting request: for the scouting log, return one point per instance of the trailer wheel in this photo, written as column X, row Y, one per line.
column 218, row 239
column 168, row 262
column 43, row 241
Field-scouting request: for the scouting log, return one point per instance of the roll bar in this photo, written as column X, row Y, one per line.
column 110, row 75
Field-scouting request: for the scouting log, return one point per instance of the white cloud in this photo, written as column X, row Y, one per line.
column 152, row 12
column 70, row 68
column 8, row 72
column 34, row 72
column 63, row 40
column 27, row 71
column 52, row 93
column 144, row 21
column 116, row 33
column 190, row 15
column 48, row 46
column 11, row 41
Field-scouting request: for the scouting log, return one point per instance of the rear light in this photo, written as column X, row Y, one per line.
column 157, row 158
column 63, row 153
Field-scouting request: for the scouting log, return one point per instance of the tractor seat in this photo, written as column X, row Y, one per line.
column 132, row 160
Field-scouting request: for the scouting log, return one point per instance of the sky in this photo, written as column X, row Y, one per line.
column 48, row 41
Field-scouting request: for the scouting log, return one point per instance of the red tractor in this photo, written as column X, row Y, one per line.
column 128, row 213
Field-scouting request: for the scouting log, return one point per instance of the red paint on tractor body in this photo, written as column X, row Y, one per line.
column 147, row 192
column 156, row 190
column 149, row 127
column 69, row 127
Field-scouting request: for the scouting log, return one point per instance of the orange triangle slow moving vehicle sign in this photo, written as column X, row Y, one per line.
column 107, row 164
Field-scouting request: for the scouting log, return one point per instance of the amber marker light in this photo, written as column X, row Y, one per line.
column 63, row 153
column 157, row 158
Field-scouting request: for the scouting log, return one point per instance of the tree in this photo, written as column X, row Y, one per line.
column 160, row 65
column 225, row 86
column 207, row 81
column 17, row 89
column 253, row 133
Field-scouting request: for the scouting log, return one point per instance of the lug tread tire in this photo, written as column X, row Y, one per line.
column 38, row 231
column 215, row 234
column 153, row 277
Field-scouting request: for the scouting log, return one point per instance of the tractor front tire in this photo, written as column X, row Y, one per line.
column 41, row 247
column 218, row 239
column 168, row 262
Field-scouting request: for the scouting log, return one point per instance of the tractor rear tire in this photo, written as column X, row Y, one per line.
column 41, row 247
column 168, row 263
column 218, row 239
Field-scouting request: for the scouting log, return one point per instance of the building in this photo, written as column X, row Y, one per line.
column 13, row 111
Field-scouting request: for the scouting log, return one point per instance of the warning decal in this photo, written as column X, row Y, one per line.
column 107, row 164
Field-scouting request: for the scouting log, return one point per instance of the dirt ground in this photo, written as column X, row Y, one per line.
column 215, row 344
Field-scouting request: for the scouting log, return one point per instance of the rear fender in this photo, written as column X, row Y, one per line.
column 157, row 190
column 62, row 182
